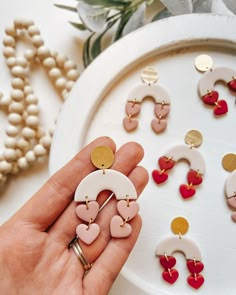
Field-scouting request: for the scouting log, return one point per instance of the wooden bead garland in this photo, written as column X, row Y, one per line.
column 25, row 140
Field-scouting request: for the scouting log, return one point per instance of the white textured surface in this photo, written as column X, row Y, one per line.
column 170, row 46
column 112, row 180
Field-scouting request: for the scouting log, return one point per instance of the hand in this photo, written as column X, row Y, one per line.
column 34, row 254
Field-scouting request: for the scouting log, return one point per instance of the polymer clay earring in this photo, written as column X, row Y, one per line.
column 185, row 245
column 87, row 191
column 193, row 139
column 229, row 164
column 206, row 84
column 161, row 98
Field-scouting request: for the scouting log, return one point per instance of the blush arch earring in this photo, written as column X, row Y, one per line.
column 149, row 88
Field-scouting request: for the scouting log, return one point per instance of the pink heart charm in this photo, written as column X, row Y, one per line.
column 159, row 125
column 86, row 233
column 118, row 228
column 130, row 124
column 127, row 211
column 132, row 108
column 161, row 110
column 89, row 212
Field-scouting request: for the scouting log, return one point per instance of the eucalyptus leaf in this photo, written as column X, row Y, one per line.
column 202, row 6
column 178, row 7
column 86, row 51
column 108, row 3
column 136, row 20
column 123, row 21
column 79, row 26
column 162, row 14
column 66, row 7
column 93, row 18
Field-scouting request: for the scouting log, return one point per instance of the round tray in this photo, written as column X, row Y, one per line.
column 96, row 107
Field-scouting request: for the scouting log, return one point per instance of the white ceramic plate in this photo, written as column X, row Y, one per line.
column 96, row 107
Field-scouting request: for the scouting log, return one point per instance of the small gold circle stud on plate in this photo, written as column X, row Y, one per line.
column 149, row 75
column 102, row 157
column 229, row 162
column 179, row 226
column 203, row 62
column 193, row 138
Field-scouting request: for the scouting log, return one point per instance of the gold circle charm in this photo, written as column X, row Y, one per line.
column 229, row 162
column 102, row 157
column 149, row 75
column 179, row 226
column 193, row 138
column 203, row 62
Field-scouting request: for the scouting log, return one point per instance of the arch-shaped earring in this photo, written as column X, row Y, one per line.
column 229, row 164
column 188, row 152
column 206, row 84
column 149, row 89
column 87, row 191
column 185, row 245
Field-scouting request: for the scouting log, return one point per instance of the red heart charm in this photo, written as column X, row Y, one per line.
column 166, row 163
column 194, row 177
column 211, row 98
column 232, row 85
column 195, row 266
column 167, row 262
column 186, row 191
column 195, row 282
column 221, row 108
column 159, row 176
column 170, row 276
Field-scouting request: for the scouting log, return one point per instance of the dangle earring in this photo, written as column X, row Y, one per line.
column 229, row 164
column 206, row 84
column 87, row 191
column 178, row 243
column 149, row 76
column 193, row 139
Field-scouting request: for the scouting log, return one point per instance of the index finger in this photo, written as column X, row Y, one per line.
column 57, row 193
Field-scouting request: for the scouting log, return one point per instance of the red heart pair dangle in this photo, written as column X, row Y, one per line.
column 88, row 190
column 149, row 89
column 206, row 84
column 188, row 152
column 229, row 164
column 178, row 243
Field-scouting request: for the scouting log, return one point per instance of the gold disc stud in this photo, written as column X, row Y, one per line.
column 179, row 226
column 193, row 138
column 102, row 157
column 203, row 62
column 229, row 162
column 149, row 75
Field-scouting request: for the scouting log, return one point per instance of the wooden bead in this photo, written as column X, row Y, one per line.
column 72, row 75
column 19, row 71
column 39, row 150
column 23, row 144
column 16, row 107
column 60, row 83
column 29, row 54
column 17, row 95
column 32, row 121
column 28, row 133
column 69, row 65
column 19, row 153
column 5, row 167
column 61, row 59
column 9, row 154
column 43, row 52
column 64, row 94
column 10, row 142
column 21, row 61
column 8, row 51
column 9, row 41
column 28, row 90
column 69, row 85
column 55, row 73
column 15, row 169
column 31, row 99
column 17, row 83
column 33, row 30
column 37, row 40
column 5, row 101
column 46, row 141
column 40, row 132
column 22, row 163
column 49, row 62
column 12, row 131
column 33, row 109
column 3, row 179
column 21, row 23
column 10, row 30
column 30, row 156
column 14, row 119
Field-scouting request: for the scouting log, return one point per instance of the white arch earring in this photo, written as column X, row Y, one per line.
column 87, row 191
column 149, row 89
column 185, row 245
column 193, row 139
column 206, row 84
column 229, row 164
